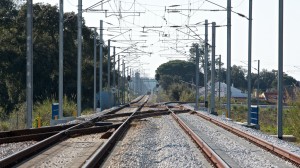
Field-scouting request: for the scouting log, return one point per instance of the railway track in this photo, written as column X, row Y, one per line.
column 155, row 142
column 37, row 134
column 111, row 139
column 59, row 135
column 239, row 148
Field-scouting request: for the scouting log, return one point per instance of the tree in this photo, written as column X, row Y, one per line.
column 192, row 55
column 238, row 77
column 45, row 54
column 288, row 80
column 176, row 91
column 157, row 77
column 8, row 13
column 266, row 79
column 178, row 69
column 167, row 80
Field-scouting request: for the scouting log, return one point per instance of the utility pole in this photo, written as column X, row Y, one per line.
column 280, row 71
column 213, row 69
column 257, row 95
column 228, row 57
column 129, row 84
column 249, row 62
column 197, row 78
column 133, row 80
column 61, row 58
column 114, row 75
column 114, row 68
column 29, row 66
column 205, row 61
column 123, row 82
column 119, row 75
column 108, row 66
column 79, row 56
column 127, row 72
column 220, row 57
column 108, row 73
column 101, row 64
column 95, row 69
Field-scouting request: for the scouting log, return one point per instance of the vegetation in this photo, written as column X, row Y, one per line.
column 176, row 71
column 45, row 61
column 268, row 118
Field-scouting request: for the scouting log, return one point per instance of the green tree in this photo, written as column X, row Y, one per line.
column 175, row 91
column 192, row 55
column 45, row 55
column 178, row 69
column 238, row 77
column 8, row 13
column 266, row 79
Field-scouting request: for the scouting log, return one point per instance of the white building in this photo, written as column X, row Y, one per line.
column 235, row 93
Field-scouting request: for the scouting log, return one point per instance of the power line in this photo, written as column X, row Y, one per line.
column 242, row 15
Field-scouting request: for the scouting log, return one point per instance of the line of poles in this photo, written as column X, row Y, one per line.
column 29, row 62
column 228, row 75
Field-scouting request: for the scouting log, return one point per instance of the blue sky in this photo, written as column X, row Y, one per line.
column 265, row 30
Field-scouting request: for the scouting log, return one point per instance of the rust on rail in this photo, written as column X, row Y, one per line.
column 215, row 159
column 260, row 142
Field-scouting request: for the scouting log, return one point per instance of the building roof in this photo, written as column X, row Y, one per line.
column 235, row 92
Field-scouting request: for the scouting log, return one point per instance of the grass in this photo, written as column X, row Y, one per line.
column 268, row 119
column 15, row 120
column 41, row 110
column 267, row 116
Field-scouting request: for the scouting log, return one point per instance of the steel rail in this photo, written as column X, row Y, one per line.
column 98, row 157
column 57, row 137
column 126, row 105
column 20, row 132
column 30, row 151
column 214, row 158
column 26, row 132
column 40, row 134
column 260, row 142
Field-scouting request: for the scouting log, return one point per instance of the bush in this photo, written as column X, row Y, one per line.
column 4, row 126
column 17, row 118
column 187, row 95
column 43, row 110
column 88, row 111
column 175, row 91
column 162, row 96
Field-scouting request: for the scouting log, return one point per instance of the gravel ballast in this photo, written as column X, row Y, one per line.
column 72, row 152
column 156, row 142
column 256, row 133
column 236, row 151
column 11, row 148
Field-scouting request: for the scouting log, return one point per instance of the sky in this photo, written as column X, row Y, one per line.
column 169, row 31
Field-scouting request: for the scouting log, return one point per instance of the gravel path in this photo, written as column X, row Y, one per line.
column 234, row 150
column 156, row 142
column 10, row 148
column 72, row 152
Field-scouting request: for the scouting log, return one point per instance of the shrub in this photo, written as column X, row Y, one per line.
column 43, row 110
column 187, row 95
